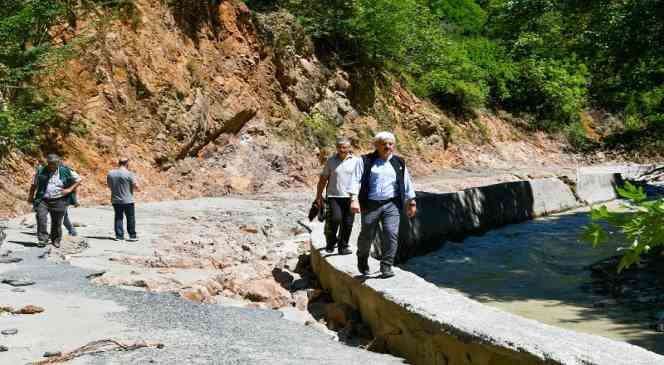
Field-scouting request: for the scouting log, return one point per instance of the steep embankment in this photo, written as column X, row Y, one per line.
column 212, row 100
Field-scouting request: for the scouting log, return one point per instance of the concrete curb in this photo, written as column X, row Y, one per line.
column 428, row 325
column 451, row 216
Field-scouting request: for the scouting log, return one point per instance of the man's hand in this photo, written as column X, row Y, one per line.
column 319, row 201
column 354, row 206
column 411, row 209
column 66, row 192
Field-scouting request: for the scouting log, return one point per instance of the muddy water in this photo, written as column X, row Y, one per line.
column 539, row 270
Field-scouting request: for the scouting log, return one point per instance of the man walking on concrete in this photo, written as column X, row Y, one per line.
column 122, row 183
column 338, row 179
column 386, row 191
column 54, row 185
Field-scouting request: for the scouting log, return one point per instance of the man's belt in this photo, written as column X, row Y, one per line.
column 383, row 202
column 52, row 199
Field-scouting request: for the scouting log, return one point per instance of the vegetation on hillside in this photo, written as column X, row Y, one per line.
column 547, row 60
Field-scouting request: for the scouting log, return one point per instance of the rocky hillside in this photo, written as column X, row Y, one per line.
column 214, row 100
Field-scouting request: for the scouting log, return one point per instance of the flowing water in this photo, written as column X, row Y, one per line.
column 539, row 270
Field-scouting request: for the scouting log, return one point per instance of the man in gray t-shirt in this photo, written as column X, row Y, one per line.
column 122, row 183
column 338, row 180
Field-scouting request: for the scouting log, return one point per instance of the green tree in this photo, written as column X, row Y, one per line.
column 26, row 50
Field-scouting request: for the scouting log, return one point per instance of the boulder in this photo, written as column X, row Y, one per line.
column 267, row 291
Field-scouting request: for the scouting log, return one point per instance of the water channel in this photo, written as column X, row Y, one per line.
column 539, row 270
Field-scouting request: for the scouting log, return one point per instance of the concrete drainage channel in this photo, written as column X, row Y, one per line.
column 428, row 325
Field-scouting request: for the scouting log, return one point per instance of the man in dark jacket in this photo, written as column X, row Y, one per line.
column 386, row 191
column 50, row 194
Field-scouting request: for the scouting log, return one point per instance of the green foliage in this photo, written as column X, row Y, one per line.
column 26, row 52
column 320, row 130
column 463, row 16
column 612, row 50
column 643, row 225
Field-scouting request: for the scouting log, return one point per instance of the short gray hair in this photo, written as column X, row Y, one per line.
column 384, row 137
column 342, row 140
column 52, row 158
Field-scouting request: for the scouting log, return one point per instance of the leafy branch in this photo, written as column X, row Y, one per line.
column 642, row 225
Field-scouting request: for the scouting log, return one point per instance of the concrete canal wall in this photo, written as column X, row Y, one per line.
column 429, row 325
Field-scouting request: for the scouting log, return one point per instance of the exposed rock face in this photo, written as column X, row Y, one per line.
column 220, row 101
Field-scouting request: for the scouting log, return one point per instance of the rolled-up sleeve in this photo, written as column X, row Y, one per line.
column 408, row 185
column 75, row 176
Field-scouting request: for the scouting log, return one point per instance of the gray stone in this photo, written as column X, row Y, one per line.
column 10, row 260
column 3, row 348
column 18, row 290
column 18, row 282
column 9, row 332
column 52, row 353
column 95, row 274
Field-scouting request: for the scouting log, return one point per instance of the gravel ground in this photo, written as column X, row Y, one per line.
column 192, row 333
column 77, row 311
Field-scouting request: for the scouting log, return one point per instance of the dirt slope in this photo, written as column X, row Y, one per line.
column 210, row 101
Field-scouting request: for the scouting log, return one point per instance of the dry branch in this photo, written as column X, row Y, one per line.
column 96, row 347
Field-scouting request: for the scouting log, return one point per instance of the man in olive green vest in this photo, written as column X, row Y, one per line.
column 51, row 192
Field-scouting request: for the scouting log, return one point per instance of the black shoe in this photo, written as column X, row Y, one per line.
column 118, row 239
column 344, row 251
column 42, row 244
column 363, row 266
column 386, row 271
column 56, row 244
column 132, row 239
column 329, row 249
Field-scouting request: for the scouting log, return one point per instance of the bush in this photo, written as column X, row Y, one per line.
column 320, row 130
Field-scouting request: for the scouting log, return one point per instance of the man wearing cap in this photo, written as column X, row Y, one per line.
column 51, row 192
column 386, row 191
column 337, row 178
column 122, row 183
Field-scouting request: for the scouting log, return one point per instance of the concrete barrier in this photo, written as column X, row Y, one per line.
column 428, row 325
column 452, row 216
column 593, row 188
column 627, row 172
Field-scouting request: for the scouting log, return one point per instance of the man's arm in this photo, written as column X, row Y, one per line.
column 357, row 182
column 33, row 187
column 134, row 183
column 411, row 205
column 322, row 183
column 74, row 186
column 31, row 194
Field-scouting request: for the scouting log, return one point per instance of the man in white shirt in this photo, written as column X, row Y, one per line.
column 338, row 179
column 386, row 191
column 50, row 194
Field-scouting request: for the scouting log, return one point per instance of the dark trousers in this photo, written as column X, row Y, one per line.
column 56, row 208
column 121, row 211
column 67, row 222
column 339, row 218
column 375, row 214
